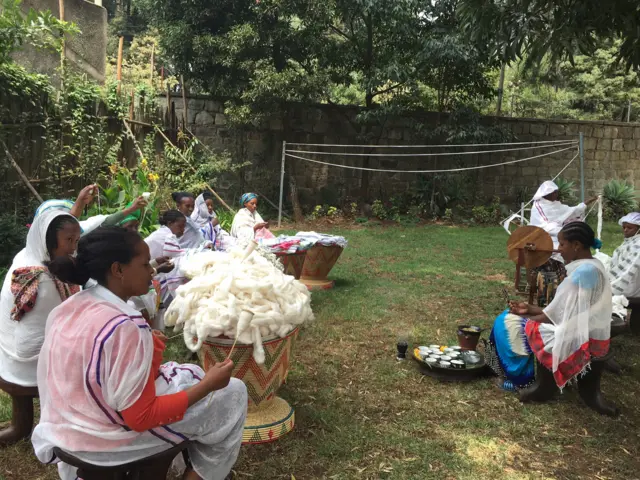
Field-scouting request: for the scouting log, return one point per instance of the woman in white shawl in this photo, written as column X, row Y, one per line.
column 550, row 214
column 568, row 333
column 624, row 268
column 29, row 293
column 192, row 237
column 247, row 223
column 105, row 395
column 205, row 217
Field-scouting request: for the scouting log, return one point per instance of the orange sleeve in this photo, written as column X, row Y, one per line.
column 151, row 411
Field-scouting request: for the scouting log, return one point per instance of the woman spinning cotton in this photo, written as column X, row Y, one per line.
column 566, row 335
column 248, row 224
column 105, row 395
column 550, row 214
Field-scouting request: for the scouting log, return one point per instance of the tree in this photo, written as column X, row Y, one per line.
column 531, row 29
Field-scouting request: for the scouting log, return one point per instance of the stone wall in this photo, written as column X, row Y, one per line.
column 611, row 151
column 85, row 51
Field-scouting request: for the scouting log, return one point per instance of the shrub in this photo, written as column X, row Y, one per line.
column 225, row 217
column 620, row 198
column 379, row 209
column 566, row 190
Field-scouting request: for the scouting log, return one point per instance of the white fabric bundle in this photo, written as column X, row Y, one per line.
column 229, row 296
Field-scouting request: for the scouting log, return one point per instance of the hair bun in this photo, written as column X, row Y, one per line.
column 597, row 243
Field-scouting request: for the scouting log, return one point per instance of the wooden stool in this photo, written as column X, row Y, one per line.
column 154, row 467
column 545, row 388
column 22, row 416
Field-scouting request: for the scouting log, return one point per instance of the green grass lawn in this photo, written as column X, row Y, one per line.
column 362, row 415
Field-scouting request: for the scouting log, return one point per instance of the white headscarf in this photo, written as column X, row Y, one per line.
column 200, row 214
column 545, row 189
column 35, row 253
column 65, row 206
column 633, row 218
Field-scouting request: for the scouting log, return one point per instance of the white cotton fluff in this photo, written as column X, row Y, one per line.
column 228, row 296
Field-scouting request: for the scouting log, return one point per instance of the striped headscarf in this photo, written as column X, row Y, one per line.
column 247, row 197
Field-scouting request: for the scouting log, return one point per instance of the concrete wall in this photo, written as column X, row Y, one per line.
column 86, row 51
column 612, row 150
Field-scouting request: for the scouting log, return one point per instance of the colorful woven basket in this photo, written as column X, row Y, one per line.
column 293, row 262
column 269, row 417
column 317, row 265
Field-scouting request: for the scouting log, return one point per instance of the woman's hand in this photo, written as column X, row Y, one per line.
column 138, row 204
column 260, row 226
column 519, row 308
column 165, row 267
column 85, row 197
column 215, row 222
column 218, row 375
column 159, row 334
column 161, row 260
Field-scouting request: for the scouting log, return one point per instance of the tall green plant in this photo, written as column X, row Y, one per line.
column 125, row 186
column 566, row 190
column 620, row 198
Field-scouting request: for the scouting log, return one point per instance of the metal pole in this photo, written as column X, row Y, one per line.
column 284, row 146
column 581, row 148
column 522, row 223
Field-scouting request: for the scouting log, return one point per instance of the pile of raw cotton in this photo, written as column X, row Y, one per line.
column 237, row 294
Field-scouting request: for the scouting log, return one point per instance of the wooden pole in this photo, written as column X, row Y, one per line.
column 130, row 133
column 184, row 100
column 119, row 64
column 153, row 57
column 64, row 45
column 21, row 173
column 194, row 170
column 162, row 75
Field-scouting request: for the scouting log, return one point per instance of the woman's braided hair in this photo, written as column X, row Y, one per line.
column 581, row 232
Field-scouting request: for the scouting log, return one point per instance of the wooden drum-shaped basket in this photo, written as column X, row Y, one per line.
column 293, row 262
column 269, row 417
column 317, row 265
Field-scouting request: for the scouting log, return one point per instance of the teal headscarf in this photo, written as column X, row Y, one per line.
column 247, row 197
column 64, row 205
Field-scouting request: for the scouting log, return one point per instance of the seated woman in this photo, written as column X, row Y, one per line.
column 568, row 333
column 624, row 268
column 205, row 217
column 247, row 223
column 105, row 395
column 30, row 292
column 192, row 237
column 165, row 243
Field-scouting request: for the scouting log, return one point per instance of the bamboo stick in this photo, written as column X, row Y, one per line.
column 119, row 63
column 184, row 100
column 135, row 143
column 194, row 170
column 153, row 57
column 20, row 172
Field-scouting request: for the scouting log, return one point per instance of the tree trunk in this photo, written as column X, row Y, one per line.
column 295, row 201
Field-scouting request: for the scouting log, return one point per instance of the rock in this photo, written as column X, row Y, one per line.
column 221, row 119
column 204, row 118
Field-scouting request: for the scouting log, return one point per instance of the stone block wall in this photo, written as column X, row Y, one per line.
column 612, row 150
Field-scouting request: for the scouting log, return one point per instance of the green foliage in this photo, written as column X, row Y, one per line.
column 36, row 28
column 124, row 187
column 225, row 217
column 592, row 87
column 566, row 190
column 513, row 28
column 620, row 198
column 379, row 210
column 487, row 215
column 13, row 235
column 191, row 168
